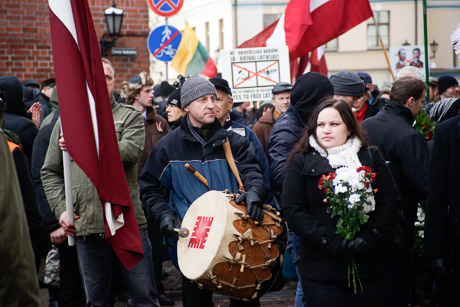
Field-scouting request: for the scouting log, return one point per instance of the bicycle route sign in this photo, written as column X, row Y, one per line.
column 163, row 42
column 165, row 8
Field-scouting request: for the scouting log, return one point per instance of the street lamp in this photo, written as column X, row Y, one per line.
column 434, row 47
column 114, row 20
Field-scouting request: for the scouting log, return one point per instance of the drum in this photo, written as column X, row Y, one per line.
column 222, row 249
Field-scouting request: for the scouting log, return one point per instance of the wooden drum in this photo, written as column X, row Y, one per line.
column 222, row 249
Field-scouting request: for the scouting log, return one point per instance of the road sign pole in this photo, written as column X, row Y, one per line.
column 167, row 65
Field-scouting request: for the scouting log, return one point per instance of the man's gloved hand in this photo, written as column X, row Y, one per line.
column 254, row 203
column 354, row 248
column 168, row 222
column 442, row 273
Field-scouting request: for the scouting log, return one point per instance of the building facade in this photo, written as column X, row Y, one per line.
column 224, row 24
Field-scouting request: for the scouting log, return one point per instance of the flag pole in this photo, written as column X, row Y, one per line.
column 425, row 43
column 383, row 47
column 68, row 191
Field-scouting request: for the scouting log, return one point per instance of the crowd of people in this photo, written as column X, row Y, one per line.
column 284, row 150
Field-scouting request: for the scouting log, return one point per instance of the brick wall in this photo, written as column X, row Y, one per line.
column 25, row 40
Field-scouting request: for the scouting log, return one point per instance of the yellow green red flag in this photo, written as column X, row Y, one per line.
column 192, row 57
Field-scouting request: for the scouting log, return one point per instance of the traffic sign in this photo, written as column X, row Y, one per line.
column 165, row 8
column 163, row 42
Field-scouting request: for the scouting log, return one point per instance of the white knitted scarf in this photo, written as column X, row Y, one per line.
column 343, row 155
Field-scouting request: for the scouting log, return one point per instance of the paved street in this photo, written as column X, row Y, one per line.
column 284, row 297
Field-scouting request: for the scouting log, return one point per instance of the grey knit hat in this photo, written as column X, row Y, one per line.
column 347, row 83
column 194, row 88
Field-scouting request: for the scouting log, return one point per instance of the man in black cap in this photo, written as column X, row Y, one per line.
column 44, row 97
column 174, row 110
column 348, row 87
column 233, row 121
column 31, row 83
column 199, row 141
column 166, row 89
column 447, row 87
column 281, row 98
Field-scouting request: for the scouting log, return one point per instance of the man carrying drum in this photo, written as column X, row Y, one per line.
column 168, row 189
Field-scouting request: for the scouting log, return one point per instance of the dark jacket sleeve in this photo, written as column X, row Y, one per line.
column 414, row 164
column 248, row 165
column 154, row 194
column 34, row 218
column 380, row 225
column 280, row 145
column 437, row 206
column 38, row 158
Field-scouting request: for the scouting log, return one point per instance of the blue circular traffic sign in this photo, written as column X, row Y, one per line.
column 165, row 8
column 163, row 42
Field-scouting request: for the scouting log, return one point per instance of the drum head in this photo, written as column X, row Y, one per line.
column 206, row 221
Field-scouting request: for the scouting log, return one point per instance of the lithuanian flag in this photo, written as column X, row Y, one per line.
column 192, row 57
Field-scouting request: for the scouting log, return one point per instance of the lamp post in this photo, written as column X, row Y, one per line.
column 114, row 20
column 434, row 47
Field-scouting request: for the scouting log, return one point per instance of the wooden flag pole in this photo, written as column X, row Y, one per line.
column 383, row 48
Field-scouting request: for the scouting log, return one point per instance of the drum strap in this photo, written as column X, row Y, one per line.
column 231, row 162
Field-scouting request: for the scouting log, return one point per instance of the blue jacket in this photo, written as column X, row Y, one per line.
column 164, row 172
column 284, row 136
column 235, row 122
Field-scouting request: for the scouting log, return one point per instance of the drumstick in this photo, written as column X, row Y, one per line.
column 197, row 175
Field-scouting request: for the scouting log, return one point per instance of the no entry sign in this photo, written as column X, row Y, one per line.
column 163, row 42
column 165, row 8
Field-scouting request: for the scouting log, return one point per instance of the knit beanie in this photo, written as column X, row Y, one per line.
column 347, row 83
column 194, row 88
column 307, row 91
column 444, row 82
column 174, row 98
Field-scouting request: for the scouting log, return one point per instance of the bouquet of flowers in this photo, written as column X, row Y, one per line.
column 424, row 125
column 419, row 230
column 351, row 197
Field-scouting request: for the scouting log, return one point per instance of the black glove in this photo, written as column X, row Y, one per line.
column 442, row 273
column 354, row 248
column 254, row 203
column 168, row 222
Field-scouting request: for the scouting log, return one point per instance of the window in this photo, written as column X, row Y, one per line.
column 270, row 18
column 332, row 45
column 382, row 19
column 221, row 34
column 206, row 30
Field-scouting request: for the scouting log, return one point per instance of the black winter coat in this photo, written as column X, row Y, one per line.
column 443, row 205
column 310, row 218
column 406, row 150
column 41, row 144
column 285, row 134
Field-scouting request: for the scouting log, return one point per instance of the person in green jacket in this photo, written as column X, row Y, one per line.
column 18, row 279
column 94, row 253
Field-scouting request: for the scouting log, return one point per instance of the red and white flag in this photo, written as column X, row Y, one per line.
column 308, row 24
column 87, row 120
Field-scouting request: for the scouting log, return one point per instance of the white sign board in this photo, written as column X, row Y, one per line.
column 252, row 72
column 403, row 56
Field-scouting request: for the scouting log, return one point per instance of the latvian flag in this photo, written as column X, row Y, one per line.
column 87, row 120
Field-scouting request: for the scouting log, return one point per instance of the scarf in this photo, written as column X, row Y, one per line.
column 343, row 155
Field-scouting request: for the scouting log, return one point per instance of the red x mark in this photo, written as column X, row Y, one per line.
column 255, row 73
column 407, row 60
column 166, row 43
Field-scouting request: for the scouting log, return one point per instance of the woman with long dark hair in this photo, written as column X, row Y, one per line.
column 333, row 140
